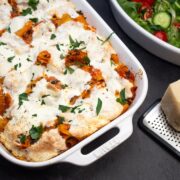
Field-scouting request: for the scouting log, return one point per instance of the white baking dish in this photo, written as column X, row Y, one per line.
column 143, row 37
column 124, row 122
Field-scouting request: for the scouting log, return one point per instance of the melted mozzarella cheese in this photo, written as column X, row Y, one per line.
column 5, row 12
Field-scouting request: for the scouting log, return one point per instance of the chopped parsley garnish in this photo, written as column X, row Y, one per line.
column 9, row 29
column 81, row 110
column 99, row 106
column 74, row 44
column 62, row 56
column 60, row 119
column 32, row 76
column 29, row 60
column 36, row 132
column 9, row 59
column 33, row 4
column 27, row 11
column 112, row 63
column 44, row 96
column 35, row 20
column 22, row 97
column 122, row 99
column 58, row 47
column 69, row 70
column 64, row 108
column 22, row 138
column 34, row 115
column 74, row 109
column 43, row 102
column 2, row 44
column 98, row 38
column 108, row 38
column 87, row 60
column 67, row 108
column 16, row 66
column 64, row 86
column 53, row 36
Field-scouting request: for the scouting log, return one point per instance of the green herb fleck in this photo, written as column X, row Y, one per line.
column 22, row 138
column 81, row 110
column 9, row 59
column 34, row 115
column 64, row 108
column 62, row 56
column 58, row 47
column 22, row 97
column 44, row 96
column 87, row 60
column 112, row 63
column 60, row 119
column 33, row 4
column 108, row 38
column 35, row 20
column 36, row 132
column 99, row 106
column 2, row 44
column 53, row 36
column 29, row 60
column 69, row 70
column 64, row 86
column 74, row 44
column 122, row 99
column 9, row 29
column 43, row 102
column 98, row 38
column 16, row 66
column 32, row 76
column 74, row 109
column 27, row 11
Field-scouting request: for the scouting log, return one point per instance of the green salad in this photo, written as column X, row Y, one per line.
column 159, row 17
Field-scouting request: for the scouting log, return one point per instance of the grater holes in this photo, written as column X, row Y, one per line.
column 157, row 122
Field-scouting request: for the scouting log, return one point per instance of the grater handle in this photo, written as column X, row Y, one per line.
column 125, row 130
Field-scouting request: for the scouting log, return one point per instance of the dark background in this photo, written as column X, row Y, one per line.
column 138, row 158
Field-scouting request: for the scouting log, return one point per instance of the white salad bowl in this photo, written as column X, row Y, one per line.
column 144, row 38
column 123, row 122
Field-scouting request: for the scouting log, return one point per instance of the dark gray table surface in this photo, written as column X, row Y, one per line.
column 138, row 158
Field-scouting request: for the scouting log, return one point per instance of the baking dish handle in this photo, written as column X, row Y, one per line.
column 125, row 130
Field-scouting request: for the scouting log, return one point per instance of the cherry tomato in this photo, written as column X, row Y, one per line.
column 148, row 12
column 147, row 3
column 150, row 2
column 177, row 24
column 161, row 35
column 145, row 8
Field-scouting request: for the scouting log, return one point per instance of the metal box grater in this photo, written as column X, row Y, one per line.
column 154, row 122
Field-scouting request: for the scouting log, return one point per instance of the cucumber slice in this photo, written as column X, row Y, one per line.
column 162, row 19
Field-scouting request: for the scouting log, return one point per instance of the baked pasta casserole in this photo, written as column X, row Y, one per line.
column 60, row 81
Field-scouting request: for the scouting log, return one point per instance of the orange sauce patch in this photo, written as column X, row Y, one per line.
column 15, row 10
column 2, row 32
column 43, row 58
column 26, row 32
